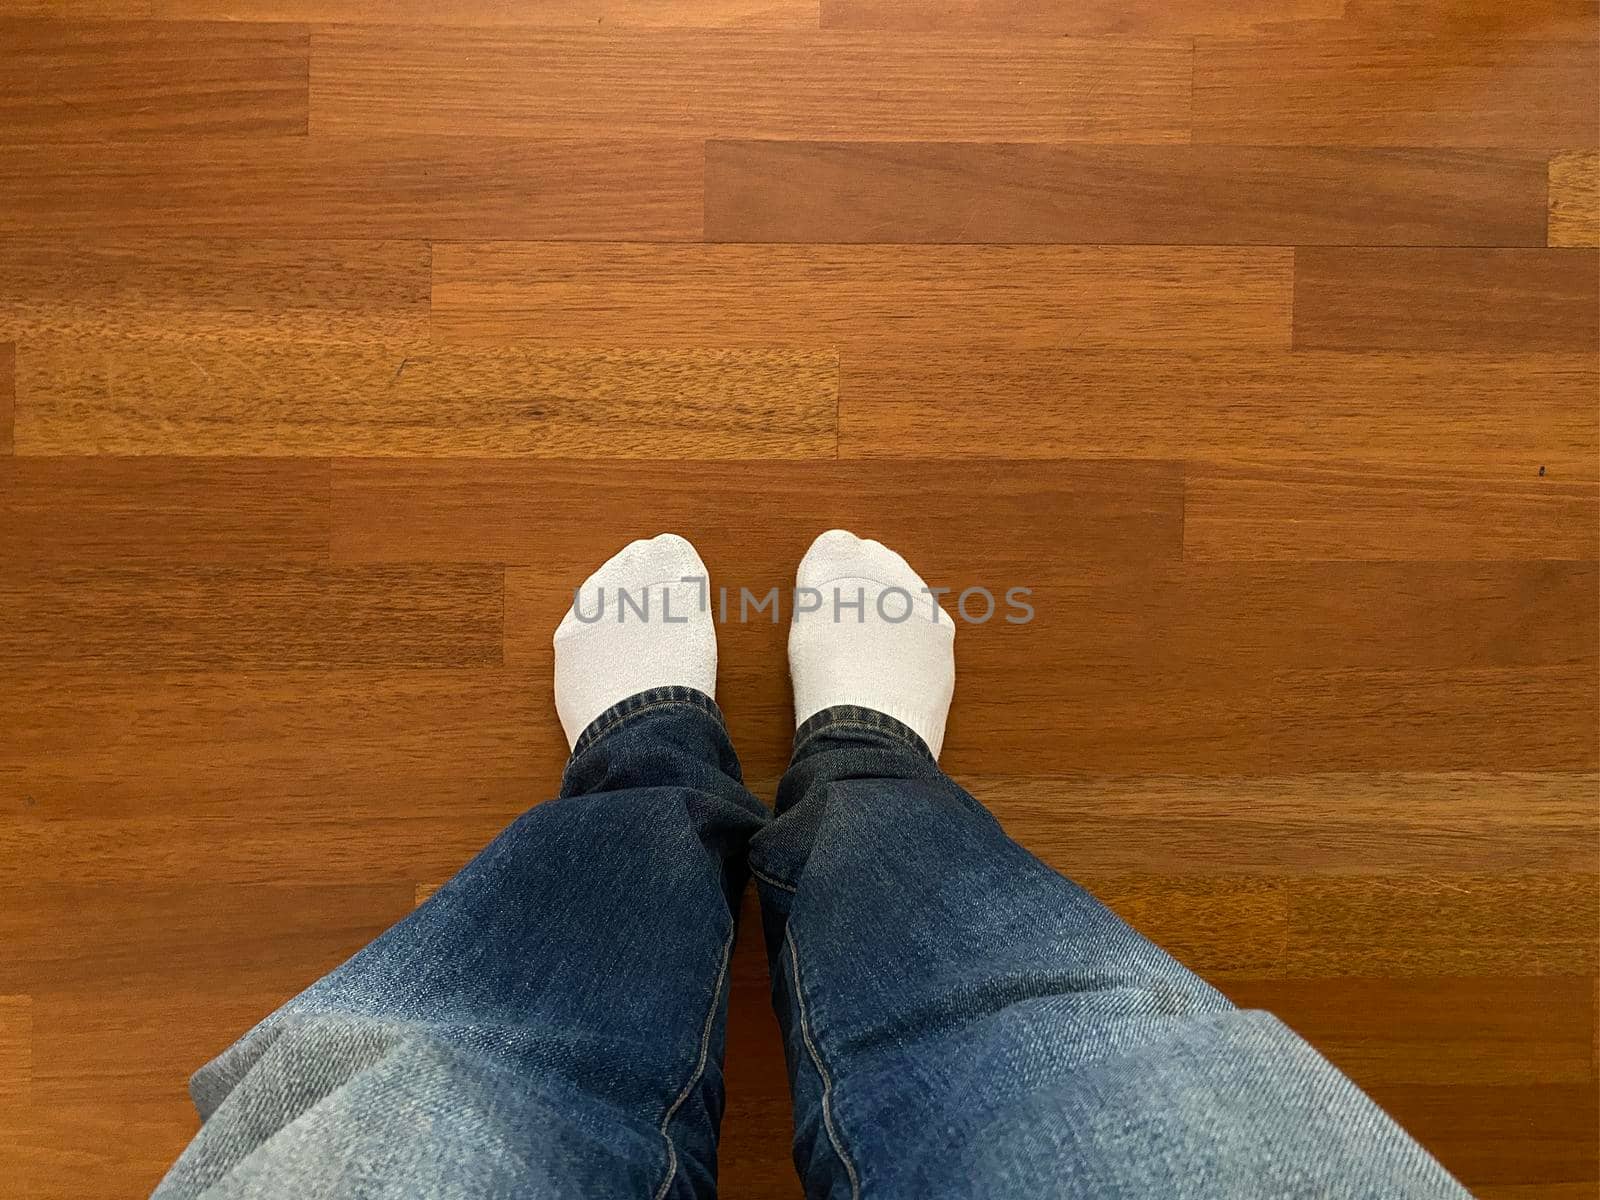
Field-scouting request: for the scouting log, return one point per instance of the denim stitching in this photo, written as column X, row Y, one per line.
column 861, row 719
column 623, row 710
column 699, row 1069
column 777, row 883
column 822, row 1073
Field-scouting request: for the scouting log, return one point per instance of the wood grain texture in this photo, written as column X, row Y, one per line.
column 1396, row 91
column 99, row 81
column 788, row 191
column 1026, row 296
column 1574, row 187
column 1391, row 299
column 8, row 396
column 232, row 397
column 736, row 84
column 162, row 511
column 339, row 340
column 208, row 617
column 181, row 287
column 1389, row 90
column 1413, row 411
column 1063, row 19
column 358, row 187
column 1314, row 513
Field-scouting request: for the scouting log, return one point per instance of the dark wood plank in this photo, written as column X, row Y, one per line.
column 1416, row 412
column 787, row 191
column 1262, row 513
column 1386, row 90
column 1460, row 925
column 358, row 187
column 1516, row 1030
column 823, row 295
column 1446, row 299
column 1575, row 199
column 720, row 83
column 1559, row 20
column 92, row 81
column 268, row 289
column 235, row 397
column 262, row 617
column 162, row 511
column 1490, row 718
column 1061, row 18
column 1508, row 1142
column 1402, row 824
column 8, row 396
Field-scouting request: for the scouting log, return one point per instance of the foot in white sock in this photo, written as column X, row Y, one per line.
column 894, row 651
column 636, row 625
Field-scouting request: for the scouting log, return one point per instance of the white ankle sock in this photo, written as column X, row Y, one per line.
column 867, row 655
column 601, row 661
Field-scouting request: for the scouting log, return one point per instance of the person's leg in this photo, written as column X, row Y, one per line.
column 550, row 1022
column 962, row 1020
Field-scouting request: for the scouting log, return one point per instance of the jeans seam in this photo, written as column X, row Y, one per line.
column 777, row 883
column 822, row 1072
column 888, row 726
column 666, row 702
column 699, row 1069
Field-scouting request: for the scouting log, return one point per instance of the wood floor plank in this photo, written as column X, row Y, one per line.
column 1223, row 928
column 1446, row 299
column 162, row 511
column 1489, row 1031
column 1062, row 19
column 16, row 1087
column 1557, row 20
column 1414, row 411
column 723, row 83
column 200, row 938
column 241, row 397
column 175, row 288
column 1493, row 925
column 1380, row 90
column 1491, row 718
column 359, row 187
column 1286, row 826
column 258, row 617
column 8, row 396
column 1251, row 513
column 283, row 735
column 94, row 81
column 561, row 14
column 1025, row 296
column 951, row 192
column 1574, row 187
column 1537, row 1140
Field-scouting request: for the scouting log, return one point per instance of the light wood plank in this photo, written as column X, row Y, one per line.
column 1413, row 411
column 1557, row 20
column 786, row 191
column 1263, row 513
column 822, row 295
column 1446, row 299
column 16, row 1089
column 1575, row 199
column 1383, row 90
column 1061, row 18
column 162, row 511
column 178, row 288
column 92, row 81
column 233, row 397
column 1491, row 718
column 559, row 14
column 358, row 187
column 288, row 616
column 713, row 83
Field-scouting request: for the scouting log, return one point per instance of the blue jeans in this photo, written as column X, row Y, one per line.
column 959, row 1019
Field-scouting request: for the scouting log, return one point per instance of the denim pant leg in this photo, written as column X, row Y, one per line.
column 550, row 1023
column 961, row 1020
